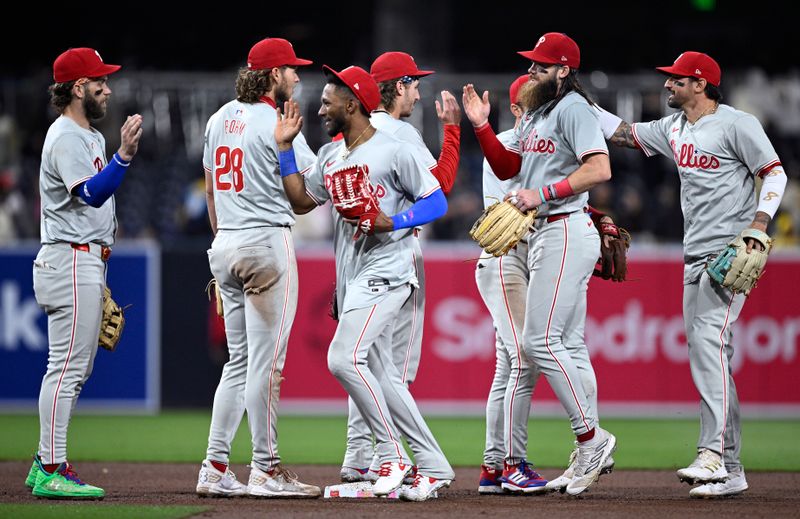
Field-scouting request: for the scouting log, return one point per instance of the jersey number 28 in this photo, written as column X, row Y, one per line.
column 229, row 161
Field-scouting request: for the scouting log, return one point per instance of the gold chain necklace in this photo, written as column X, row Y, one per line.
column 349, row 149
column 707, row 112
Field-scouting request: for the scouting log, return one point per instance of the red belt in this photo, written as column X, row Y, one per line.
column 105, row 252
column 560, row 216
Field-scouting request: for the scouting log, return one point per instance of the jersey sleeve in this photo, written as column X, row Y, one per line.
column 752, row 146
column 208, row 158
column 315, row 181
column 412, row 171
column 74, row 161
column 303, row 156
column 652, row 137
column 581, row 127
column 410, row 134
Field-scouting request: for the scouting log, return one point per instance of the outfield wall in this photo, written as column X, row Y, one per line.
column 174, row 347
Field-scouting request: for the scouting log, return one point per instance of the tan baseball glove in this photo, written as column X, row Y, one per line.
column 500, row 227
column 737, row 270
column 112, row 324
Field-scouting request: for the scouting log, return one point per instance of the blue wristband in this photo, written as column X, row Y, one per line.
column 287, row 162
column 541, row 195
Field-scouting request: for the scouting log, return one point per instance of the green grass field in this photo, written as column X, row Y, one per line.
column 182, row 436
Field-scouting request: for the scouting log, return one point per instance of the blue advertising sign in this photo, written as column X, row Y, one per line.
column 126, row 380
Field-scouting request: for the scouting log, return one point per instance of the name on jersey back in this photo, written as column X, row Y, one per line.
column 234, row 126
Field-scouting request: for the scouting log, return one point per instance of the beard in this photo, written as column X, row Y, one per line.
column 538, row 94
column 282, row 94
column 335, row 127
column 93, row 109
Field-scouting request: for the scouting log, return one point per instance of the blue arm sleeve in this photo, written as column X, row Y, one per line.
column 425, row 210
column 100, row 187
column 287, row 162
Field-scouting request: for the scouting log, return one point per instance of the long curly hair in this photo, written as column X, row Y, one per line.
column 252, row 84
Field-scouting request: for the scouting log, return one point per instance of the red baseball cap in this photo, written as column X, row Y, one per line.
column 695, row 64
column 273, row 52
column 392, row 65
column 81, row 62
column 361, row 83
column 513, row 92
column 555, row 48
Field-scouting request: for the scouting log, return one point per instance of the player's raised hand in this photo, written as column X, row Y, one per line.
column 288, row 125
column 130, row 134
column 477, row 108
column 448, row 111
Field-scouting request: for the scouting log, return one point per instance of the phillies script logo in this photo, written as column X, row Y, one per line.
column 536, row 145
column 688, row 157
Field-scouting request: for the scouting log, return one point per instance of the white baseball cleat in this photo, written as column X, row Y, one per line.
column 733, row 485
column 706, row 468
column 561, row 482
column 390, row 477
column 423, row 488
column 213, row 483
column 591, row 457
column 279, row 482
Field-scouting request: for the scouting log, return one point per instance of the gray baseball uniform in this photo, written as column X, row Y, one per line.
column 253, row 260
column 717, row 158
column 375, row 276
column 69, row 274
column 503, row 285
column 407, row 337
column 562, row 252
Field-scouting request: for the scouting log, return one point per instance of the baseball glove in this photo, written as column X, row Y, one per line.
column 112, row 324
column 737, row 270
column 613, row 261
column 353, row 197
column 213, row 286
column 500, row 227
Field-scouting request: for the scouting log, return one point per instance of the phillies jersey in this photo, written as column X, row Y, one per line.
column 495, row 189
column 72, row 155
column 368, row 267
column 717, row 158
column 553, row 147
column 241, row 156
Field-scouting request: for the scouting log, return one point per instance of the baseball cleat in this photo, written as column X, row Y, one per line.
column 354, row 475
column 390, row 477
column 213, row 483
column 64, row 483
column 706, row 468
column 733, row 485
column 423, row 488
column 561, row 482
column 279, row 482
column 36, row 467
column 522, row 478
column 591, row 458
column 490, row 482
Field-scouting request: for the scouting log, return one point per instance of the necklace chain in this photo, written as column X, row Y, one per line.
column 349, row 149
column 708, row 111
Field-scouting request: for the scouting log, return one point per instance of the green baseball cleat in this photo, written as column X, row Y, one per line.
column 65, row 484
column 30, row 481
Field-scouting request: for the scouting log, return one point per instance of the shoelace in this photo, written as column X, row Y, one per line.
column 386, row 469
column 417, row 481
column 526, row 469
column 287, row 474
column 709, row 460
column 69, row 473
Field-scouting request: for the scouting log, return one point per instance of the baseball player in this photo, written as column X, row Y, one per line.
column 559, row 153
column 78, row 225
column 718, row 151
column 374, row 268
column 398, row 79
column 252, row 258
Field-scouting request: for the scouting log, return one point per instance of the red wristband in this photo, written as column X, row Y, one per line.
column 563, row 189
